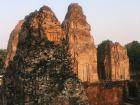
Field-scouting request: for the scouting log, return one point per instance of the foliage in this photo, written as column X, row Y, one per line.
column 3, row 55
column 133, row 51
column 103, row 49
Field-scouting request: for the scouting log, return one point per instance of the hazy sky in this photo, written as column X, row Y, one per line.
column 117, row 20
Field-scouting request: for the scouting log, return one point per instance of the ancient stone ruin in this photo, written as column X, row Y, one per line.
column 12, row 43
column 76, row 30
column 48, row 63
column 81, row 43
column 113, row 62
column 41, row 70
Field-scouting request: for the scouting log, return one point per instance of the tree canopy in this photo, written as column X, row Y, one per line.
column 133, row 50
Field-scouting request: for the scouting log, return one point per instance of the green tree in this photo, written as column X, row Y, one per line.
column 133, row 51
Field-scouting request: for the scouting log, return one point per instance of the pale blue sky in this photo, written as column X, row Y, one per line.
column 117, row 20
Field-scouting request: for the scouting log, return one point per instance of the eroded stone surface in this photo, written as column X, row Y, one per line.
column 81, row 43
column 12, row 43
column 99, row 95
column 113, row 62
column 41, row 73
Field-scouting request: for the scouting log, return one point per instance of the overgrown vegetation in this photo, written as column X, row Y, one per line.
column 103, row 49
column 133, row 50
column 42, row 75
column 3, row 55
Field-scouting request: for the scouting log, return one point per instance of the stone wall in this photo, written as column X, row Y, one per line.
column 99, row 95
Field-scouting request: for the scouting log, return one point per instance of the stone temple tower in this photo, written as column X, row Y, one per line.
column 81, row 43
